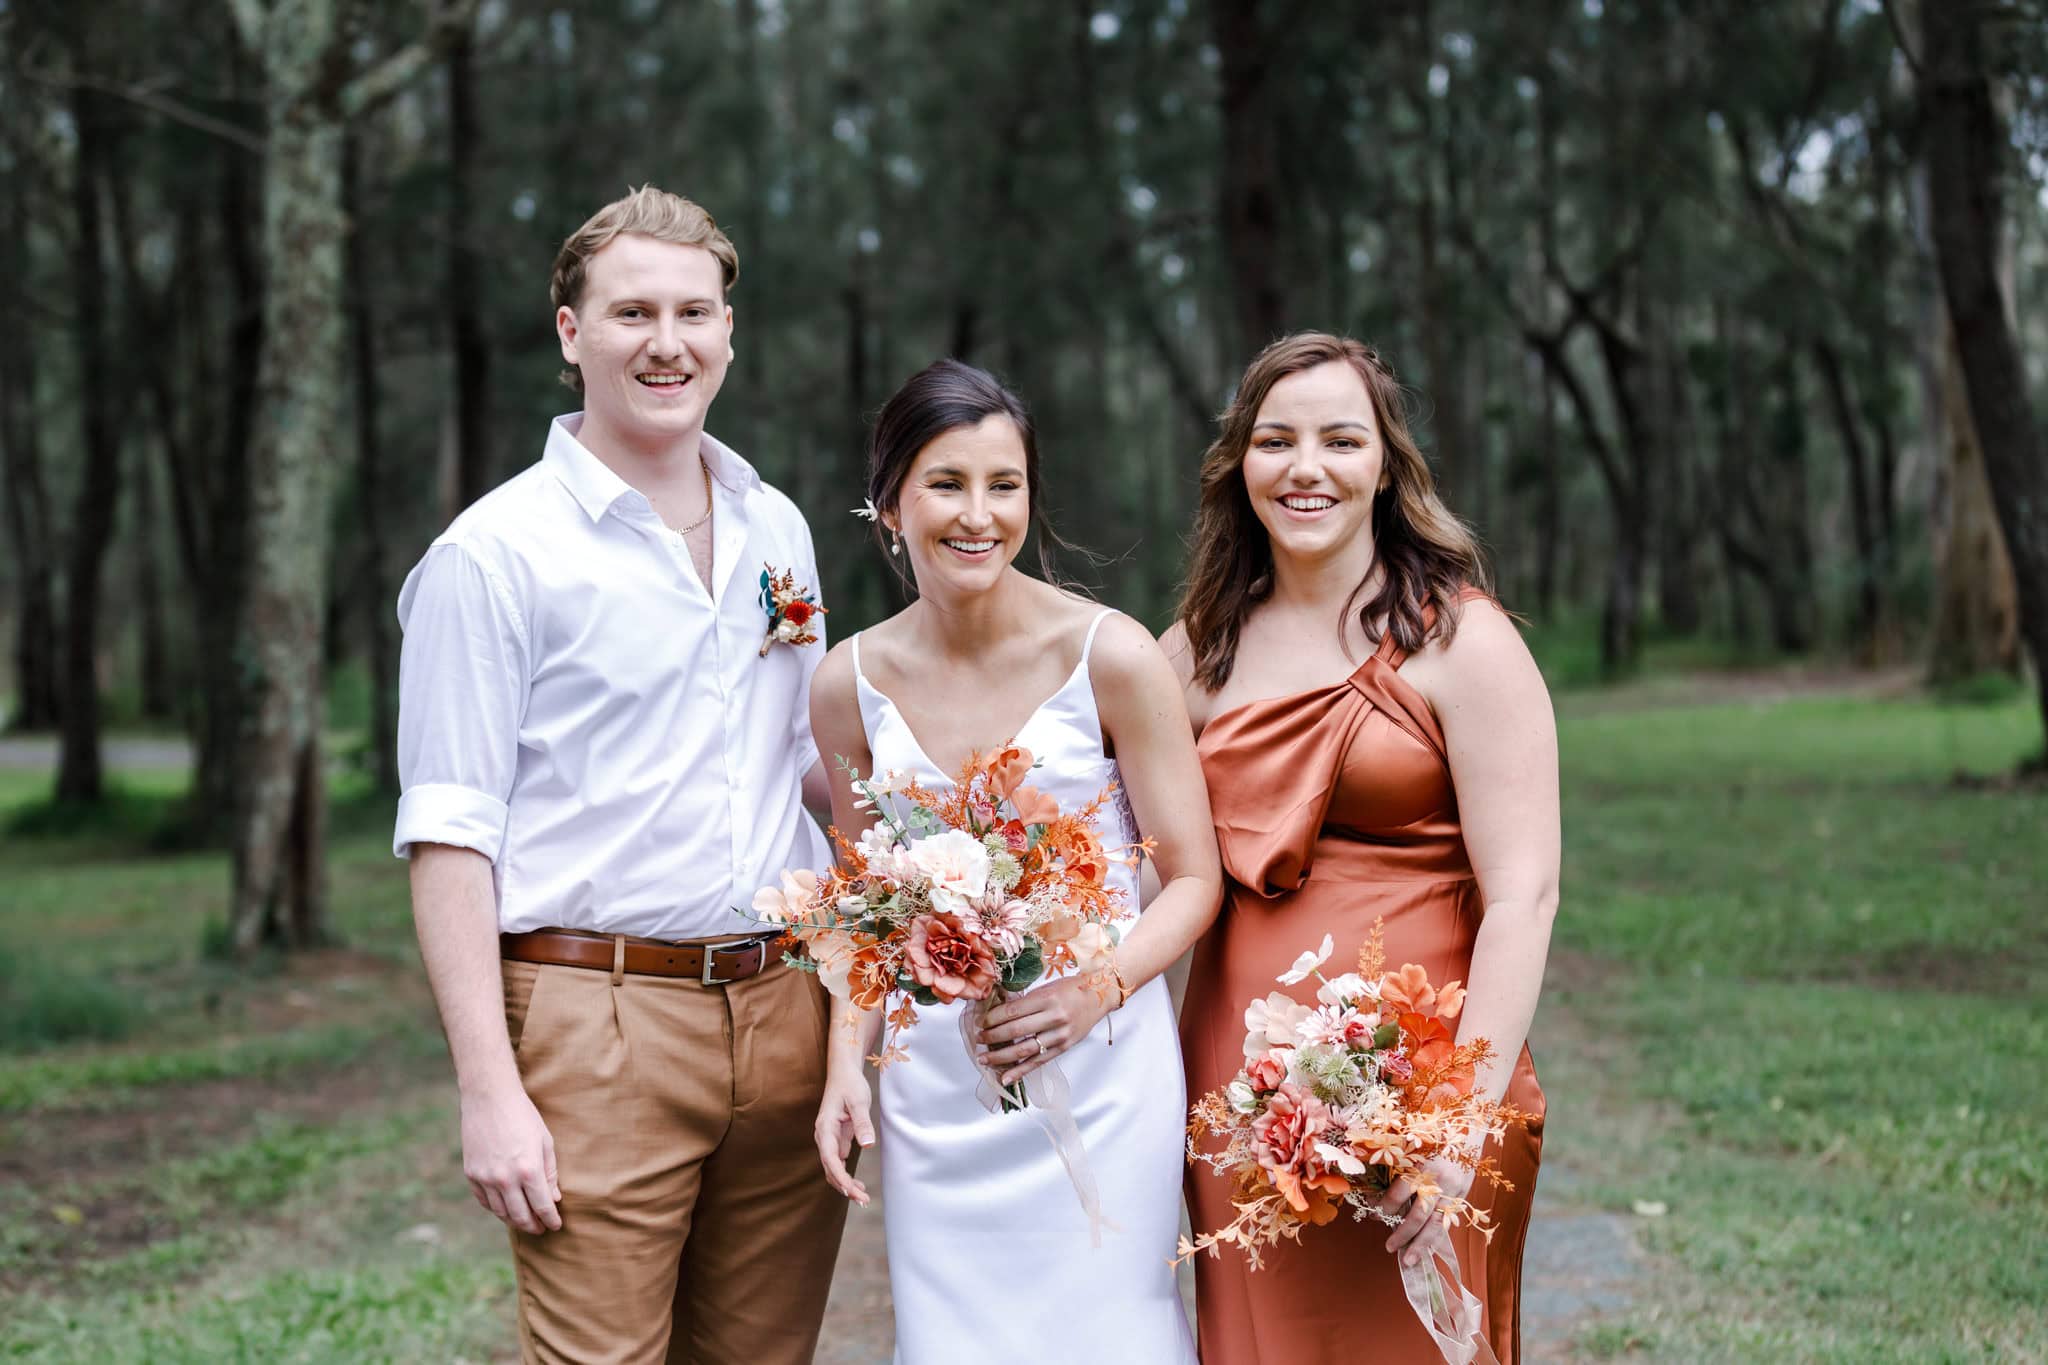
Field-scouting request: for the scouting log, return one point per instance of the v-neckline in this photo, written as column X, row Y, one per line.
column 861, row 678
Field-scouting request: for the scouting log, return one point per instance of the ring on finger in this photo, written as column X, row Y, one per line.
column 1037, row 1046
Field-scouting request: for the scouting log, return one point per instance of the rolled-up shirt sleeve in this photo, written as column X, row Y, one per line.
column 462, row 684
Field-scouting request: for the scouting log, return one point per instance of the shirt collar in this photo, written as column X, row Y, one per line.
column 595, row 487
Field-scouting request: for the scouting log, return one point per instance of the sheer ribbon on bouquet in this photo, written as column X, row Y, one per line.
column 1048, row 1098
column 1448, row 1310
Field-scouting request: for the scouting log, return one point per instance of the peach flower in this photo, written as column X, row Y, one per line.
column 1273, row 1022
column 787, row 902
column 951, row 962
column 956, row 864
column 1059, row 927
column 1034, row 807
column 1093, row 947
column 1284, row 1142
column 833, row 951
column 1007, row 768
column 1266, row 1072
column 870, row 980
column 1409, row 990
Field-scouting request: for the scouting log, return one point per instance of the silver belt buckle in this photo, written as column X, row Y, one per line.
column 705, row 977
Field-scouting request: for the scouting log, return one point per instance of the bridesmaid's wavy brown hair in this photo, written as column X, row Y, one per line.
column 1422, row 553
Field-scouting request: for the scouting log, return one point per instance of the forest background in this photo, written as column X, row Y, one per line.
column 1724, row 322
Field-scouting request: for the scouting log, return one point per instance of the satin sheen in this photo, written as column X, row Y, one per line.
column 989, row 1255
column 1333, row 808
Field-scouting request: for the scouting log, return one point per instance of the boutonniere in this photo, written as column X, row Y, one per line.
column 791, row 610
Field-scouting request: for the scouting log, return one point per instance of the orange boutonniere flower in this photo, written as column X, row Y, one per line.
column 792, row 610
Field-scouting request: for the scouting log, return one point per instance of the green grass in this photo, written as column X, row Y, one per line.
column 42, row 1006
column 1817, row 958
column 1799, row 965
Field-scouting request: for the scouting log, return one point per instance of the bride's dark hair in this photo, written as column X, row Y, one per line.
column 944, row 396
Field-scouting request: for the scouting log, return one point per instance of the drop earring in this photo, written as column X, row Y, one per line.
column 895, row 544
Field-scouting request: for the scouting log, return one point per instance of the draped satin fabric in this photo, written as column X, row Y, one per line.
column 1334, row 808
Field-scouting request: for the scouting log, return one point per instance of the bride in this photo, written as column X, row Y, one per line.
column 989, row 1249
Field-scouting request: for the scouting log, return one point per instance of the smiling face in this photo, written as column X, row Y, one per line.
column 1315, row 462
column 651, row 336
column 964, row 508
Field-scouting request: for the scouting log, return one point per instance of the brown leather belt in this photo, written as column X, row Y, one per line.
column 709, row 964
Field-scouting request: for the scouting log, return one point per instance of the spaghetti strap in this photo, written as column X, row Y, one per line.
column 1086, row 645
column 854, row 640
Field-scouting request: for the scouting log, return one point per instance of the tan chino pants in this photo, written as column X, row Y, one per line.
column 696, row 1224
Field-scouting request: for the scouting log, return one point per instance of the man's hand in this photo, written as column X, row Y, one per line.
column 509, row 1157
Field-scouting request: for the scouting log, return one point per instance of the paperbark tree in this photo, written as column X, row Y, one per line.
column 1966, row 147
column 303, row 49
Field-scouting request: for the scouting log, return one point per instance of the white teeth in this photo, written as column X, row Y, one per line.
column 973, row 547
column 652, row 379
column 1308, row 503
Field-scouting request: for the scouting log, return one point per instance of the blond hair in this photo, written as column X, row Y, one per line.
column 1424, row 554
column 650, row 212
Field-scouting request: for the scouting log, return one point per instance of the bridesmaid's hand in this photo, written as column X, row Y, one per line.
column 1420, row 1232
column 843, row 1119
column 1025, row 1032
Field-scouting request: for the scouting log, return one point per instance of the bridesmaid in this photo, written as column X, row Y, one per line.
column 1378, row 744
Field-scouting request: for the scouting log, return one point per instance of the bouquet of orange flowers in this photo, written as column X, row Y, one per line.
column 980, row 891
column 1339, row 1100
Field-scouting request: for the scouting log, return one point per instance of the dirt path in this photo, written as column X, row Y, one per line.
column 135, row 753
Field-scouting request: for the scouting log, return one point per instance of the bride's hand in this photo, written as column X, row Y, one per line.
column 1026, row 1031
column 1420, row 1232
column 843, row 1119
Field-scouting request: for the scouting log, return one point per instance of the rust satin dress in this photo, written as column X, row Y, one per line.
column 1335, row 807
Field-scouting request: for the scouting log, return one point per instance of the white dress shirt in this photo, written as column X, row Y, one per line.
column 574, row 705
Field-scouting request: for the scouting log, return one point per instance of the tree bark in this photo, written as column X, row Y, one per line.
column 79, row 774
column 1248, row 196
column 279, row 639
column 30, row 532
column 303, row 49
column 373, row 590
column 1976, row 606
column 1872, row 572
column 1965, row 144
column 469, row 341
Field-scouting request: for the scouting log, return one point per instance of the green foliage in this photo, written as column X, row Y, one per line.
column 1026, row 969
column 42, row 1006
column 1989, row 688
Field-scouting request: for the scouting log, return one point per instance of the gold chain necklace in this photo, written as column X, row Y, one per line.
column 683, row 531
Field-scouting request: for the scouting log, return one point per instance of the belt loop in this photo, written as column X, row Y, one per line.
column 618, row 959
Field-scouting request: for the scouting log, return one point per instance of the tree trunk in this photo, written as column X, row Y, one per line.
column 1872, row 573
column 153, row 654
column 79, row 776
column 30, row 534
column 1965, row 143
column 279, row 897
column 373, row 590
column 218, row 480
column 1248, row 197
column 469, row 340
column 1976, row 607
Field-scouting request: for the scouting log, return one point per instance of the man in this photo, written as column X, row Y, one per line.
column 601, row 761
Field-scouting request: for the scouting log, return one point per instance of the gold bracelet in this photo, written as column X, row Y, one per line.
column 1123, row 988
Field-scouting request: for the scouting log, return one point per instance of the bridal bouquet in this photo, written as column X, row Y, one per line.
column 972, row 894
column 1339, row 1100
